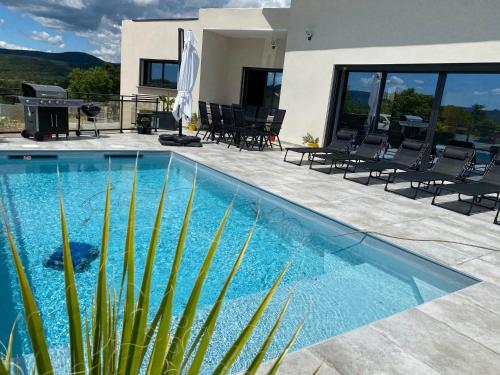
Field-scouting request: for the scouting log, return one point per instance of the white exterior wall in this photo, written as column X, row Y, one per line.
column 245, row 41
column 147, row 40
column 376, row 32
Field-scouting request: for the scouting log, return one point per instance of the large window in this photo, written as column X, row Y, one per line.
column 449, row 104
column 360, row 101
column 159, row 73
column 261, row 87
column 406, row 106
column 469, row 114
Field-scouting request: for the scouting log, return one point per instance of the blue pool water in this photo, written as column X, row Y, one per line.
column 342, row 279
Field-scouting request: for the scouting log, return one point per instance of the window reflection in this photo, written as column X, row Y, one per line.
column 406, row 106
column 470, row 115
column 360, row 101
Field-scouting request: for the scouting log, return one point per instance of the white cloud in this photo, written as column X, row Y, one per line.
column 395, row 80
column 479, row 93
column 366, row 81
column 145, row 2
column 61, row 45
column 2, row 22
column 418, row 81
column 258, row 3
column 8, row 45
column 496, row 91
column 419, row 88
column 44, row 36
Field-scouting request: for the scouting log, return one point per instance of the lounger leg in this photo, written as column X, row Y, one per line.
column 416, row 190
column 471, row 205
column 279, row 142
column 496, row 221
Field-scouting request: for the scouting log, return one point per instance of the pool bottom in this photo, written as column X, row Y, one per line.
column 342, row 278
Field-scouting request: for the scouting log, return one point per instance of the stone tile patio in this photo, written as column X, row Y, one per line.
column 456, row 334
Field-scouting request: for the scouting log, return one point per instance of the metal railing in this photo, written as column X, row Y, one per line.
column 118, row 112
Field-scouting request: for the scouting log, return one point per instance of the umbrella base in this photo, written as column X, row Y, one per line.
column 177, row 140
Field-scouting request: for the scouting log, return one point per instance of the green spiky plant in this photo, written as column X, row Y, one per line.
column 107, row 346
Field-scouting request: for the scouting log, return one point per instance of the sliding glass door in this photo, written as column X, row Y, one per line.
column 261, row 87
column 469, row 115
column 440, row 104
column 406, row 106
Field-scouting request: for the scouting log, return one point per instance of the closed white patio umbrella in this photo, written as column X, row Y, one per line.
column 188, row 72
column 373, row 99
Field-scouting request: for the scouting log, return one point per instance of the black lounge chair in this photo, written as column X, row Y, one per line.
column 369, row 150
column 341, row 143
column 479, row 190
column 450, row 166
column 406, row 158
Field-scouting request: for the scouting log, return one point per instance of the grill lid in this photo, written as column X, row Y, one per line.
column 43, row 91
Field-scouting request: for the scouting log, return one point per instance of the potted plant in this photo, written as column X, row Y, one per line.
column 143, row 122
column 193, row 124
column 166, row 119
column 310, row 141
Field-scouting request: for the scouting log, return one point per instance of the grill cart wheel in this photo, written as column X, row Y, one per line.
column 39, row 136
column 78, row 133
column 25, row 134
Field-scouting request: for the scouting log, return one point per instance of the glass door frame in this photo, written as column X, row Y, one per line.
column 245, row 69
column 341, row 77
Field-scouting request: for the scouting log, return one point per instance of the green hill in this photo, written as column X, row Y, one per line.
column 17, row 66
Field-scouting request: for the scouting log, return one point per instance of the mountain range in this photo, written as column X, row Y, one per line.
column 17, row 66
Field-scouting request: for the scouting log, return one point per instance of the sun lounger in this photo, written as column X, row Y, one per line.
column 406, row 158
column 488, row 188
column 341, row 143
column 370, row 149
column 450, row 166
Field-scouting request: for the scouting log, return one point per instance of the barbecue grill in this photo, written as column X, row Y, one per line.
column 46, row 111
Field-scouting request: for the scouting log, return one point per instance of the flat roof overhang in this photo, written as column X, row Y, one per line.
column 250, row 33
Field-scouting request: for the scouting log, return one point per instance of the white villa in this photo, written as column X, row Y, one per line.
column 319, row 59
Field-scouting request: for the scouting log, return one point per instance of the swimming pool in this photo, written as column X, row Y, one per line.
column 342, row 278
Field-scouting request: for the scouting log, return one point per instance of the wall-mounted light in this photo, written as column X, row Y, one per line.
column 274, row 44
column 309, row 34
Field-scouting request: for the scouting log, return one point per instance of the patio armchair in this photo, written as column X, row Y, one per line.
column 407, row 157
column 228, row 129
column 450, row 166
column 341, row 143
column 204, row 120
column 274, row 128
column 216, row 125
column 478, row 190
column 370, row 149
column 250, row 112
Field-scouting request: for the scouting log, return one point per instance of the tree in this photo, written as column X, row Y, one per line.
column 94, row 83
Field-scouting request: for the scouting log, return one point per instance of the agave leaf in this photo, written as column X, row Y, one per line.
column 8, row 355
column 279, row 360
column 206, row 332
column 31, row 313
column 181, row 337
column 128, row 271
column 316, row 372
column 4, row 370
column 135, row 349
column 100, row 318
column 160, row 346
column 87, row 343
column 72, row 304
column 252, row 369
column 227, row 362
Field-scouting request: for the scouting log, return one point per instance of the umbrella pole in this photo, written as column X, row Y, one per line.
column 180, row 38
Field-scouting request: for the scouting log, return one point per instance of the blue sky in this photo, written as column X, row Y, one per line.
column 92, row 26
column 462, row 90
